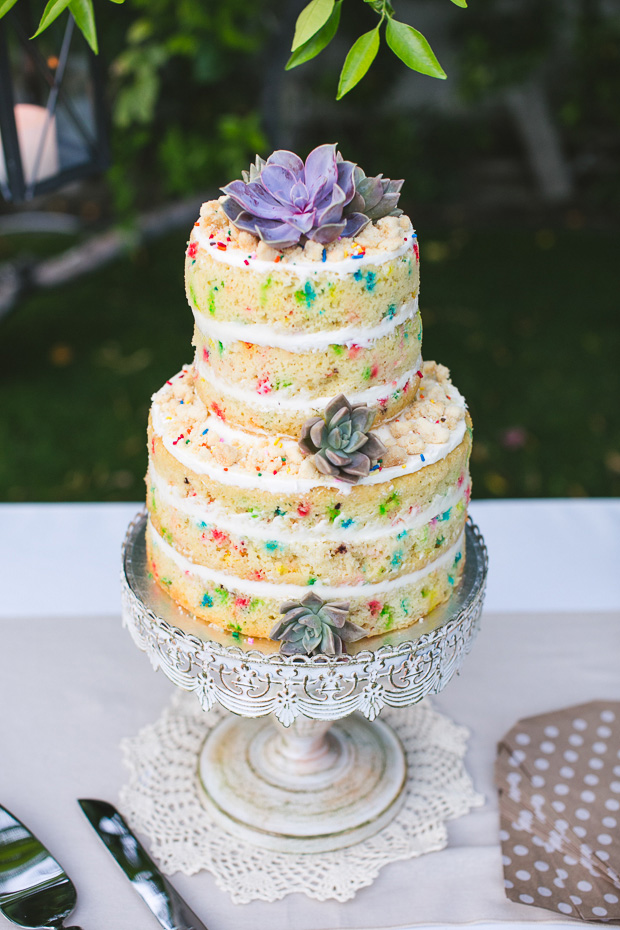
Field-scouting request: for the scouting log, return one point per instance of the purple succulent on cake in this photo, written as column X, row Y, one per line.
column 284, row 199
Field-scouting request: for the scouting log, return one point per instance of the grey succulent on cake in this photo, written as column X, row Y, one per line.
column 313, row 626
column 341, row 441
column 374, row 197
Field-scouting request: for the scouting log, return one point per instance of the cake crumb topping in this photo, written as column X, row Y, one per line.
column 386, row 235
column 428, row 422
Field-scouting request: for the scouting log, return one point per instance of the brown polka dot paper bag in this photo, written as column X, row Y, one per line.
column 558, row 778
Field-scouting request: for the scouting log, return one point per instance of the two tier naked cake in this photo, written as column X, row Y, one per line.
column 308, row 475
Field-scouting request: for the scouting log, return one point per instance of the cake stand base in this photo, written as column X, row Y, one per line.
column 313, row 787
column 164, row 800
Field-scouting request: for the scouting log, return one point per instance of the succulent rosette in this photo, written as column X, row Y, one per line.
column 341, row 441
column 313, row 626
column 284, row 200
column 374, row 197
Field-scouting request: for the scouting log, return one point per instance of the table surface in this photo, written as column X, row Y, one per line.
column 76, row 685
column 63, row 559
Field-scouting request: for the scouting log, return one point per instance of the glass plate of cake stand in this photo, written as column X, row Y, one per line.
column 301, row 763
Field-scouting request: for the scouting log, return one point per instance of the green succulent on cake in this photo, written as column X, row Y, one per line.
column 254, row 171
column 312, row 626
column 374, row 197
column 341, row 441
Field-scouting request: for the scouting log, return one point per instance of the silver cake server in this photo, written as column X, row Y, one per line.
column 35, row 891
column 155, row 890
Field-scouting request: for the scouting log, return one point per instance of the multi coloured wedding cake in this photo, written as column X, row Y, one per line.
column 308, row 475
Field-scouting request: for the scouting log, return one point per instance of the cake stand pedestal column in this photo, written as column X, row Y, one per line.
column 313, row 787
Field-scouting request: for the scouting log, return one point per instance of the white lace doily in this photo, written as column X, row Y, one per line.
column 162, row 800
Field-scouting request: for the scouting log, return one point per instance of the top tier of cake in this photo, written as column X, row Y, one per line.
column 278, row 334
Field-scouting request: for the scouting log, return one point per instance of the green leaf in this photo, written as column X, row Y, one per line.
column 412, row 48
column 319, row 40
column 51, row 12
column 462, row 3
column 140, row 30
column 310, row 20
column 84, row 16
column 5, row 6
column 122, row 1
column 361, row 55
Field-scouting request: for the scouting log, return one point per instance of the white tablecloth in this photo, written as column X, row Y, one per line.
column 72, row 685
column 63, row 559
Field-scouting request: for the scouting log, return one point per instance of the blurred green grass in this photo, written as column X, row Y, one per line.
column 527, row 322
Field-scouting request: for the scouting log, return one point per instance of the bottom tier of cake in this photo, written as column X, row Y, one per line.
column 253, row 607
column 243, row 527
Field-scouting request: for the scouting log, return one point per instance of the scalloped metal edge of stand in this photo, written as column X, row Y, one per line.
column 251, row 683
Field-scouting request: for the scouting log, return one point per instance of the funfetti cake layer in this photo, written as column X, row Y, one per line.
column 252, row 607
column 327, row 554
column 240, row 522
column 280, row 386
column 278, row 334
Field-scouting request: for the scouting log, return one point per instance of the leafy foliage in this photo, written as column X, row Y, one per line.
column 83, row 13
column 183, row 155
column 316, row 26
column 5, row 6
column 181, row 119
column 84, row 16
column 51, row 12
column 407, row 43
column 320, row 40
column 411, row 47
column 311, row 19
column 361, row 55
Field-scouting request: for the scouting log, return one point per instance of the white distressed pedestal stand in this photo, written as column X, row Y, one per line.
column 312, row 787
column 328, row 775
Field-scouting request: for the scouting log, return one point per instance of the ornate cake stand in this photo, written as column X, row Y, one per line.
column 307, row 784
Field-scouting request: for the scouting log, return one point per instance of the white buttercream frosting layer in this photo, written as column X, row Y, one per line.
column 278, row 528
column 303, row 269
column 298, row 400
column 263, row 335
column 288, row 591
